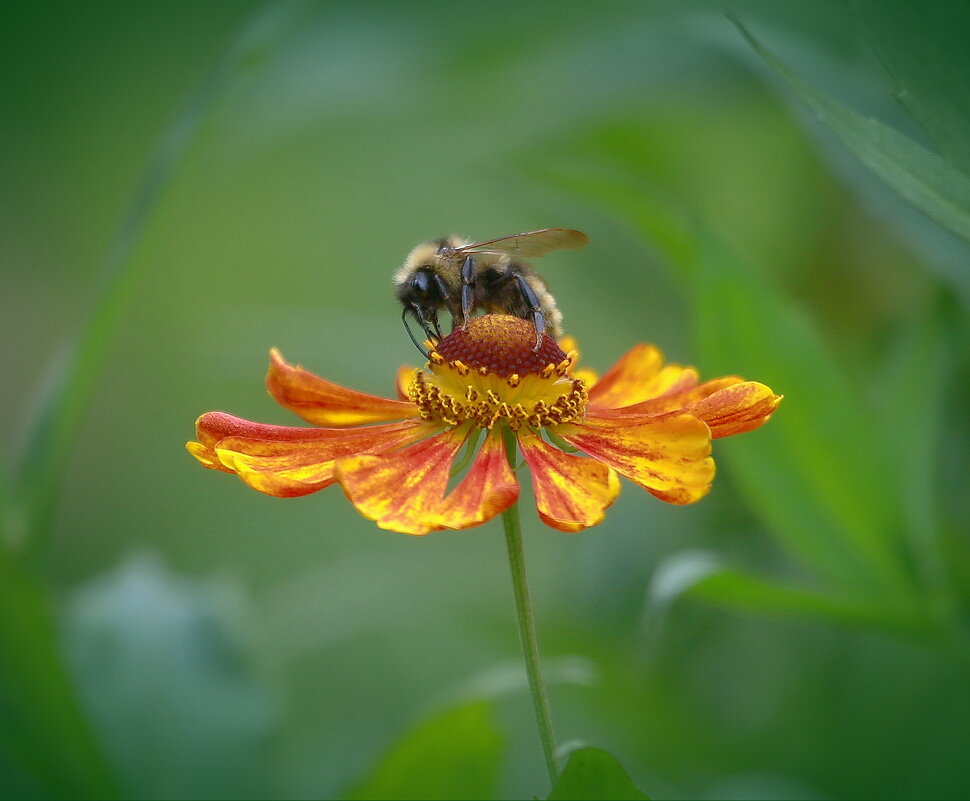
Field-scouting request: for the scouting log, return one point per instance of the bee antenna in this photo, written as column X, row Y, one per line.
column 407, row 327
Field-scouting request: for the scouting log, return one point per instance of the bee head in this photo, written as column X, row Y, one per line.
column 421, row 289
column 420, row 295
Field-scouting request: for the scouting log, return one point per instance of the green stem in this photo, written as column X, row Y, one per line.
column 527, row 636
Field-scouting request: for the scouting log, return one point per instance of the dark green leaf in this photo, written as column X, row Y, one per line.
column 595, row 775
column 921, row 176
column 924, row 48
column 452, row 755
column 43, row 731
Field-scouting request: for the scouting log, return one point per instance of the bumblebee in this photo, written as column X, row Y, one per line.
column 460, row 277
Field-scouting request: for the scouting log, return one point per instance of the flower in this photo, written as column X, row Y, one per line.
column 650, row 422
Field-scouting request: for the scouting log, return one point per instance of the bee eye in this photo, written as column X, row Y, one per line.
column 421, row 284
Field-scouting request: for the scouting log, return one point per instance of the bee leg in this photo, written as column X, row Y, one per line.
column 407, row 327
column 429, row 323
column 435, row 326
column 535, row 308
column 467, row 289
column 448, row 299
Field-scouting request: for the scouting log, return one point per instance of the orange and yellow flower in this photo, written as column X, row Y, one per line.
column 650, row 422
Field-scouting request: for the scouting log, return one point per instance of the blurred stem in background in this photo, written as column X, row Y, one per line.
column 44, row 730
column 71, row 377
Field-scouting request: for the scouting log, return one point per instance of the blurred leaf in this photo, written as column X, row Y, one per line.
column 705, row 576
column 817, row 472
column 163, row 669
column 594, row 774
column 920, row 366
column 42, row 728
column 510, row 678
column 924, row 48
column 12, row 522
column 924, row 178
column 455, row 754
column 70, row 378
column 662, row 220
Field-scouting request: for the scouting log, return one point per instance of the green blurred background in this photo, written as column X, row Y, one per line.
column 222, row 643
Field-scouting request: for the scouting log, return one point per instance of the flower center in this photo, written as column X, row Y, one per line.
column 490, row 372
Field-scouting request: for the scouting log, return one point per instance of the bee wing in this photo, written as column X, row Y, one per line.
column 531, row 244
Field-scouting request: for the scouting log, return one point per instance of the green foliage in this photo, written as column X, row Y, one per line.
column 923, row 48
column 43, row 732
column 924, row 178
column 593, row 774
column 74, row 371
column 921, row 365
column 835, row 506
column 851, row 515
column 707, row 577
column 164, row 669
column 453, row 754
column 321, row 146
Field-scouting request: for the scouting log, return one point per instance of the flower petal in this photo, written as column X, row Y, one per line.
column 287, row 461
column 403, row 380
column 323, row 403
column 638, row 376
column 212, row 427
column 402, row 490
column 667, row 456
column 673, row 401
column 487, row 489
column 571, row 492
column 206, row 456
column 735, row 409
column 569, row 345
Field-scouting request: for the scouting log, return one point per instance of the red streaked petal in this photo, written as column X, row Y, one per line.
column 213, row 426
column 672, row 401
column 667, row 456
column 323, row 403
column 402, row 490
column 735, row 409
column 488, row 488
column 638, row 376
column 571, row 492
column 287, row 461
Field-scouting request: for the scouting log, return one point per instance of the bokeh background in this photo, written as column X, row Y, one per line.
column 250, row 175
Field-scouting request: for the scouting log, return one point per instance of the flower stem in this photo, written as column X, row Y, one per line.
column 527, row 636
